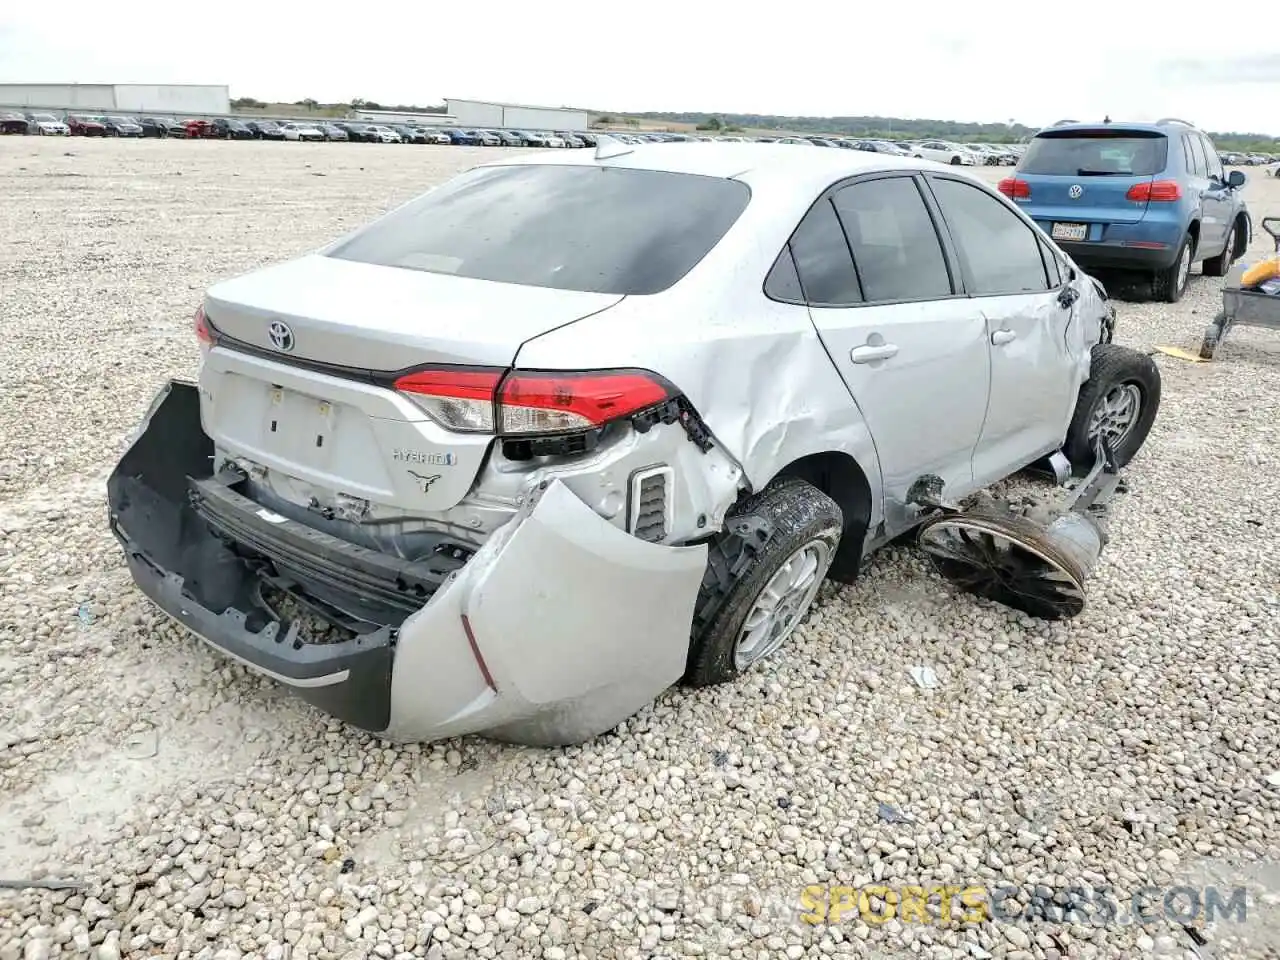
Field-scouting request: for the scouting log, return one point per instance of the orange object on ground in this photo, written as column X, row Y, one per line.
column 1261, row 272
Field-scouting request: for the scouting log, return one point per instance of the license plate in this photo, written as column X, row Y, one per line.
column 1070, row 231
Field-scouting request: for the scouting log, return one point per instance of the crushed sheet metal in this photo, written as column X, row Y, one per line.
column 581, row 613
column 580, row 626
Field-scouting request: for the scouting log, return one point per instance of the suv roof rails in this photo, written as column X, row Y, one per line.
column 1164, row 120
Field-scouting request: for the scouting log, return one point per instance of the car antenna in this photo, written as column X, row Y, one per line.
column 608, row 147
column 1107, row 118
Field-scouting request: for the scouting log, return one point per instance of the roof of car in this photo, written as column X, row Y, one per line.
column 1161, row 126
column 787, row 163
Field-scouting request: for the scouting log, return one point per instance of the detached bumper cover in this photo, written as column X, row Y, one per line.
column 557, row 629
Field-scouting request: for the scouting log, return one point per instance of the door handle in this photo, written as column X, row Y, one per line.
column 870, row 354
column 1001, row 337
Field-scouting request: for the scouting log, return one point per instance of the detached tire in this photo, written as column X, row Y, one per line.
column 760, row 582
column 1121, row 398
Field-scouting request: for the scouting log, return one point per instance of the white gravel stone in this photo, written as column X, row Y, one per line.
column 1133, row 746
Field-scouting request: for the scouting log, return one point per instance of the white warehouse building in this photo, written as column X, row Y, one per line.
column 185, row 98
column 513, row 116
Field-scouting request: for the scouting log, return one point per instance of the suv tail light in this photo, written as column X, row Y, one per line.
column 204, row 333
column 1155, row 191
column 1014, row 189
column 529, row 402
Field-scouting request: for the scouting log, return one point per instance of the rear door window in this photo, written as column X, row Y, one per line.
column 1199, row 163
column 1081, row 153
column 584, row 228
column 822, row 259
column 1214, row 167
column 895, row 244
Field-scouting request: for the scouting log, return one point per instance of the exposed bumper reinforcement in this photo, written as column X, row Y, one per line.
column 556, row 630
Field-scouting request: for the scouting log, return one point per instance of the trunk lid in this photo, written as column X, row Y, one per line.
column 333, row 438
column 1102, row 199
column 314, row 414
column 370, row 317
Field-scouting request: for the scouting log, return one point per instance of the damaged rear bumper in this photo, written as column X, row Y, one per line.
column 558, row 628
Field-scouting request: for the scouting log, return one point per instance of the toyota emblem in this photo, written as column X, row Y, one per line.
column 1075, row 191
column 280, row 335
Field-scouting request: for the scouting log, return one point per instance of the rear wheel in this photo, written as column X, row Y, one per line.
column 1118, row 402
column 956, row 161
column 1219, row 265
column 759, row 586
column 1171, row 283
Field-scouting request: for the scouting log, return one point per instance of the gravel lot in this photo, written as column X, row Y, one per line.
column 212, row 816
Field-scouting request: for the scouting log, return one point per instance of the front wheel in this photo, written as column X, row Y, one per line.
column 956, row 161
column 1117, row 403
column 762, row 577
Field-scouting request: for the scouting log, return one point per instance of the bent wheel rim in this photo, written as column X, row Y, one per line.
column 987, row 559
column 1116, row 414
column 782, row 603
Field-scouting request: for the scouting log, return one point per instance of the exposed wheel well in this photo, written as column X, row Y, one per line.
column 839, row 477
column 1194, row 230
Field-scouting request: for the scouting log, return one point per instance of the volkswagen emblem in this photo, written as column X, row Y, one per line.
column 280, row 335
column 1075, row 191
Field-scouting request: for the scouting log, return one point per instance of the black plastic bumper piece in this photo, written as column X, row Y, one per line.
column 373, row 578
column 201, row 581
column 349, row 680
column 1116, row 257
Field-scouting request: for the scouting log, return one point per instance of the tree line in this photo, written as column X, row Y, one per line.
column 869, row 128
column 901, row 128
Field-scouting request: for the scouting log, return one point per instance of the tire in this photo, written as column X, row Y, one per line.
column 956, row 161
column 1114, row 370
column 1169, row 284
column 1219, row 266
column 790, row 520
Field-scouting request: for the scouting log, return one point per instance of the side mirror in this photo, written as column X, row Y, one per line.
column 1235, row 179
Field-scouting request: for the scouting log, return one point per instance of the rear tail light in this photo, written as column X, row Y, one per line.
column 204, row 333
column 531, row 403
column 1155, row 191
column 1015, row 189
column 458, row 398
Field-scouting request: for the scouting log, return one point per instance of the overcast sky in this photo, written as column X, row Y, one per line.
column 935, row 59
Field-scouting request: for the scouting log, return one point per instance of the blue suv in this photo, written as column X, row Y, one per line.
column 1134, row 196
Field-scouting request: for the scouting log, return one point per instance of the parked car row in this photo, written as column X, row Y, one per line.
column 1247, row 159
column 957, row 154
column 227, row 128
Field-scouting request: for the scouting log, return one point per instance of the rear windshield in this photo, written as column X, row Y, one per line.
column 590, row 229
column 1100, row 153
